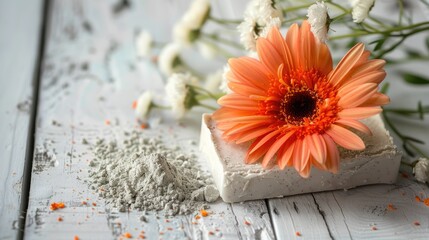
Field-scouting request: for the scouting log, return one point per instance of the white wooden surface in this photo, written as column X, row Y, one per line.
column 91, row 74
column 79, row 100
column 19, row 42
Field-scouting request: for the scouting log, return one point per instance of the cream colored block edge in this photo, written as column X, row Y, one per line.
column 237, row 182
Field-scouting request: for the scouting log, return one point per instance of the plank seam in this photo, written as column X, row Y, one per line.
column 267, row 203
column 29, row 151
column 322, row 213
column 344, row 217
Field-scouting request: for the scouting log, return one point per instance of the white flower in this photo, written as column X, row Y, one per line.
column 187, row 30
column 144, row 44
column 273, row 22
column 207, row 50
column 169, row 59
column 197, row 14
column 258, row 14
column 361, row 9
column 213, row 81
column 318, row 18
column 421, row 170
column 143, row 105
column 178, row 91
column 224, row 85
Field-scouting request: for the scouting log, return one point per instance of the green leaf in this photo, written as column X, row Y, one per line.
column 385, row 88
column 420, row 109
column 427, row 42
column 412, row 139
column 413, row 53
column 408, row 150
column 379, row 43
column 414, row 78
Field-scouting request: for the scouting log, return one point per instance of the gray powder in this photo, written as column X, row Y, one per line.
column 144, row 174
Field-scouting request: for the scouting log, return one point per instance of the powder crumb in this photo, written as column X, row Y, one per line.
column 211, row 233
column 197, row 217
column 94, row 204
column 143, row 126
column 298, row 234
column 57, row 205
column 59, row 219
column 247, row 222
column 418, row 199
column 134, row 105
column 76, row 238
column 142, row 173
column 127, row 235
column 170, row 229
column 107, row 122
column 426, row 202
column 204, row 213
column 416, row 223
column 391, row 207
column 374, row 228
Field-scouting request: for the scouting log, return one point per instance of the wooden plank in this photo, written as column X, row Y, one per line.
column 377, row 212
column 20, row 31
column 91, row 73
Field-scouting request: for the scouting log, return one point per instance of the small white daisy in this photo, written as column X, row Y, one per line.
column 186, row 31
column 421, row 170
column 258, row 14
column 169, row 59
column 273, row 22
column 144, row 43
column 361, row 9
column 178, row 90
column 224, row 85
column 318, row 18
column 143, row 106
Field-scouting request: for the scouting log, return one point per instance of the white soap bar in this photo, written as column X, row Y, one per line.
column 237, row 182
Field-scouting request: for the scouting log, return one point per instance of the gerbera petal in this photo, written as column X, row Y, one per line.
column 308, row 47
column 338, row 75
column 255, row 153
column 275, row 147
column 354, row 124
column 301, row 155
column 293, row 41
column 266, row 138
column 317, row 147
column 356, row 95
column 345, row 138
column 277, row 41
column 269, row 55
column 378, row 99
column 333, row 160
column 238, row 102
column 305, row 172
column 251, row 71
column 369, row 77
column 253, row 135
column 285, row 159
column 245, row 90
column 359, row 112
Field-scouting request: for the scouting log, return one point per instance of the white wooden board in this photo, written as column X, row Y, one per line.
column 19, row 43
column 91, row 74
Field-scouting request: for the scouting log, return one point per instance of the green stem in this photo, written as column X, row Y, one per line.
column 404, row 111
column 401, row 136
column 348, row 11
column 207, row 106
column 159, row 106
column 292, row 9
column 216, row 37
column 225, row 21
column 220, row 50
column 211, row 95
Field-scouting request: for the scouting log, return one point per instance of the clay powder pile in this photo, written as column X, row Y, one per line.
column 144, row 174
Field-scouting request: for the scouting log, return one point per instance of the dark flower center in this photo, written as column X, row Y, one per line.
column 299, row 104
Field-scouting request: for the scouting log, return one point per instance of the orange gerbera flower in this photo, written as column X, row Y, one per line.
column 292, row 104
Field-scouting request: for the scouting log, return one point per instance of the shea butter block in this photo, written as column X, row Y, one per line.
column 237, row 181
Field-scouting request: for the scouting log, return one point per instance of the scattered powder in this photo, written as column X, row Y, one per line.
column 57, row 205
column 144, row 174
column 43, row 159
